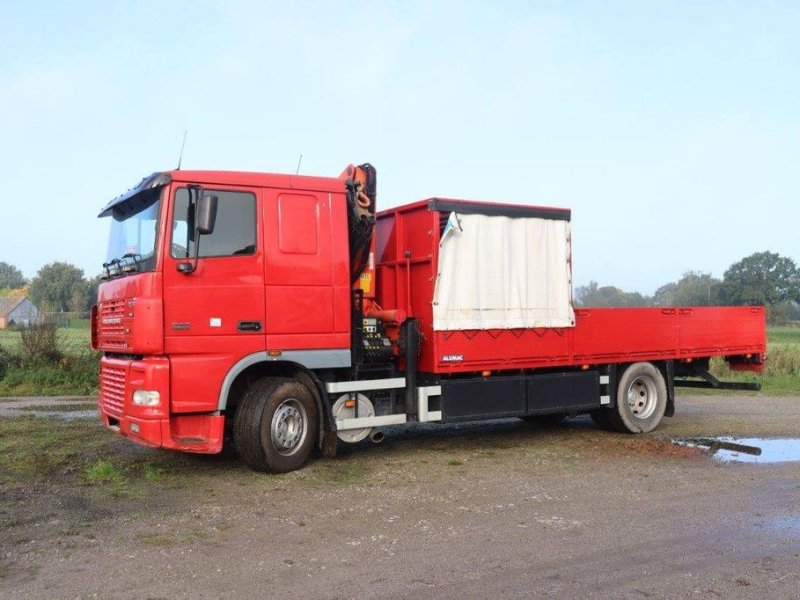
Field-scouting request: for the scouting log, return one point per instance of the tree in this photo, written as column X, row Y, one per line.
column 693, row 289
column 608, row 295
column 10, row 276
column 83, row 296
column 53, row 287
column 761, row 278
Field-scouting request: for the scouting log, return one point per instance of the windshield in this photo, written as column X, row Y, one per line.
column 133, row 234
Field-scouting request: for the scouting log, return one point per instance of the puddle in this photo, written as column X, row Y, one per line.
column 748, row 450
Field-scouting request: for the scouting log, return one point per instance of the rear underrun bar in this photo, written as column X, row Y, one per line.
column 711, row 382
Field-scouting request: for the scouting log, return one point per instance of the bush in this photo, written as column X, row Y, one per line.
column 37, row 368
column 5, row 358
column 39, row 344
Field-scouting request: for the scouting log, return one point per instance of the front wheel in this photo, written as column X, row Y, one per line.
column 276, row 425
column 641, row 399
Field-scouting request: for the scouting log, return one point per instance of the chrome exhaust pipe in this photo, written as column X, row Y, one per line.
column 377, row 437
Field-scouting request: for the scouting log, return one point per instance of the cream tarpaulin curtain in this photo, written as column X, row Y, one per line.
column 503, row 273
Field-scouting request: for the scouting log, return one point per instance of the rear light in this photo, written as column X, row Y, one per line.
column 146, row 398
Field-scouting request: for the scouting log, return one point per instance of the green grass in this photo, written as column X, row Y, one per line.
column 68, row 378
column 75, row 373
column 81, row 452
column 782, row 373
column 105, row 472
column 43, row 449
column 783, row 335
column 70, row 338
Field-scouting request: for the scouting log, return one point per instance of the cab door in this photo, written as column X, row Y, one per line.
column 214, row 315
column 307, row 286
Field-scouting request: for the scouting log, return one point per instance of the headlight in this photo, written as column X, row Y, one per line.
column 146, row 398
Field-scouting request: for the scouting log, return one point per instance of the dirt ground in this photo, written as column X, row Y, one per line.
column 496, row 509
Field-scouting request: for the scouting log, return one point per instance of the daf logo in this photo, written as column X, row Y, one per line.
column 112, row 320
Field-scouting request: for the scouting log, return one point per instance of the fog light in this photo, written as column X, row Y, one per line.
column 134, row 427
column 146, row 398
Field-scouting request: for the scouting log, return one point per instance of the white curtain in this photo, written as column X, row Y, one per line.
column 503, row 273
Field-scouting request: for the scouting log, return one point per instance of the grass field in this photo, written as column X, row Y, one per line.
column 69, row 337
column 73, row 371
column 784, row 335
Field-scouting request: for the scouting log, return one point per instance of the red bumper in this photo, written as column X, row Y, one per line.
column 153, row 426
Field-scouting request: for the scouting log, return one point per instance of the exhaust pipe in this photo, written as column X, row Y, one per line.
column 377, row 437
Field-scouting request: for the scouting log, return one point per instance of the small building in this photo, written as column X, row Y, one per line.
column 17, row 311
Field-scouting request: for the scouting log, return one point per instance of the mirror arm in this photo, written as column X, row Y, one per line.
column 205, row 215
column 187, row 268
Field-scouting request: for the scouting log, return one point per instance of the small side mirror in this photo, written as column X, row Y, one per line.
column 206, row 214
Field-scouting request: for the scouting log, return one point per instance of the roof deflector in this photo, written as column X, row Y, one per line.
column 136, row 196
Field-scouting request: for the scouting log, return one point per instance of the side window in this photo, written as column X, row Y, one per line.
column 234, row 230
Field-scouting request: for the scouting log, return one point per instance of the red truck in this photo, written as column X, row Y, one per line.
column 280, row 313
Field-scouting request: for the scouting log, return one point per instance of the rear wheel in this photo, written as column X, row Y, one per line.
column 641, row 399
column 276, row 425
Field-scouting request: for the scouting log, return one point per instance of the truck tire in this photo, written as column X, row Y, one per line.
column 641, row 399
column 276, row 425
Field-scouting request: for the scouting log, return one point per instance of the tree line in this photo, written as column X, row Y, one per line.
column 57, row 287
column 763, row 278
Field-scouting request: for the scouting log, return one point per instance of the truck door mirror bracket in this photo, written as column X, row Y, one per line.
column 205, row 216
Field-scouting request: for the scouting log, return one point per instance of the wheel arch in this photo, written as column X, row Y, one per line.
column 260, row 364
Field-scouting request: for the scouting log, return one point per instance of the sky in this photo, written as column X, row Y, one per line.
column 672, row 129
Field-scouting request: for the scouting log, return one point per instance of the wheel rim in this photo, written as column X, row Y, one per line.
column 642, row 397
column 288, row 427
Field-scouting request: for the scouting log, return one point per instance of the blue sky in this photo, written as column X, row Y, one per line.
column 672, row 130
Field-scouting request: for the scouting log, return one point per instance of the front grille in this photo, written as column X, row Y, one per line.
column 111, row 314
column 112, row 389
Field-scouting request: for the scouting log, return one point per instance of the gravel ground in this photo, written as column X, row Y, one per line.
column 501, row 508
column 65, row 407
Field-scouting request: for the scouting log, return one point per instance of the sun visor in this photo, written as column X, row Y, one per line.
column 136, row 197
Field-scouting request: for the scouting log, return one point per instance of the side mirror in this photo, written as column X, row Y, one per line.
column 206, row 214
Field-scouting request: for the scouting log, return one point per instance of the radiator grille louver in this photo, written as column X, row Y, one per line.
column 112, row 390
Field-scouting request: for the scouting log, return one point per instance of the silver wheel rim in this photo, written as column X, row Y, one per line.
column 642, row 397
column 288, row 427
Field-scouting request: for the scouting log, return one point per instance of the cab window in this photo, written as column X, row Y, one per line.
column 234, row 231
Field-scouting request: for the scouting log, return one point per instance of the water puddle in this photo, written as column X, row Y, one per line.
column 748, row 450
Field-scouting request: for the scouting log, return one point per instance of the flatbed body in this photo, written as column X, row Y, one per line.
column 408, row 255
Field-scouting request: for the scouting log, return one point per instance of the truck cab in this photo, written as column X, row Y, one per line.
column 183, row 312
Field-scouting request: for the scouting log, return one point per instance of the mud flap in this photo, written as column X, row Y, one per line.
column 669, row 375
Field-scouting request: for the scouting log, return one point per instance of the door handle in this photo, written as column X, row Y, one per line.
column 249, row 326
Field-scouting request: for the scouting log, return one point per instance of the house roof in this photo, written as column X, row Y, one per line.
column 9, row 304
